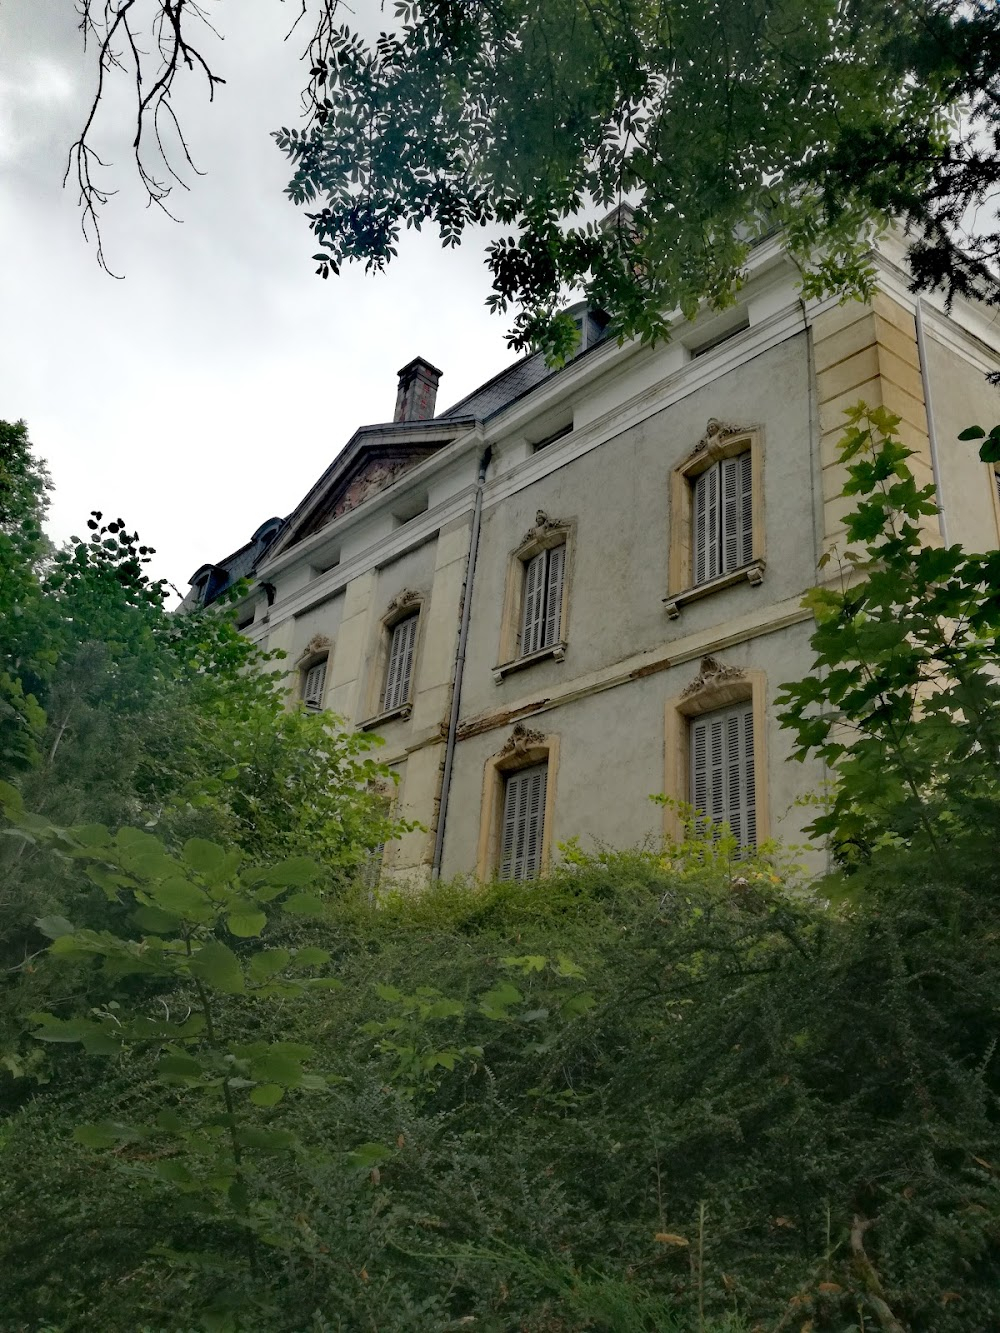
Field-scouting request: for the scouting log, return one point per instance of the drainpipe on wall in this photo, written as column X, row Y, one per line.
column 931, row 429
column 456, row 681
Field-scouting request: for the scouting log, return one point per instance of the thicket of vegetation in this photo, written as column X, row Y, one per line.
column 659, row 1090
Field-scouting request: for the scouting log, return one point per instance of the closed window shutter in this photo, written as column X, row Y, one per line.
column 400, row 668
column 699, row 768
column 553, row 596
column 737, row 512
column 523, row 822
column 533, row 619
column 722, row 771
column 746, row 508
column 312, row 686
column 706, row 525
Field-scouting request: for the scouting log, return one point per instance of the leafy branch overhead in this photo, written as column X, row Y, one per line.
column 716, row 123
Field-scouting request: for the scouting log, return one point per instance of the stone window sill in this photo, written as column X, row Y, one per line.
column 752, row 573
column 401, row 711
column 556, row 651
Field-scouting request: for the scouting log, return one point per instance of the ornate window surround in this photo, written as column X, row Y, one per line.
column 318, row 649
column 406, row 603
column 721, row 440
column 715, row 686
column 544, row 535
column 523, row 749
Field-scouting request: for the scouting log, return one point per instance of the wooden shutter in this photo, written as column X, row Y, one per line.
column 722, row 771
column 737, row 512
column 400, row 668
column 312, row 686
column 706, row 525
column 551, row 630
column 523, row 823
column 533, row 617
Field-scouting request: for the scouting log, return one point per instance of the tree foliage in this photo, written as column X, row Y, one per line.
column 718, row 122
column 904, row 701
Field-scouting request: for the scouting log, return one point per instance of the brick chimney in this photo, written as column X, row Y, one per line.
column 417, row 395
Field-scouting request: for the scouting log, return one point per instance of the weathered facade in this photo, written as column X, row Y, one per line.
column 642, row 525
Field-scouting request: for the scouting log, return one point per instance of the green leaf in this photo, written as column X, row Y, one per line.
column 311, row 957
column 267, row 963
column 530, row 962
column 278, row 1068
column 565, row 967
column 246, row 922
column 104, row 1134
column 971, row 433
column 207, row 858
column 267, row 1094
column 181, row 897
column 304, row 904
column 10, row 799
column 291, row 873
column 54, row 926
column 155, row 920
column 990, row 451
column 367, row 1155
column 219, row 966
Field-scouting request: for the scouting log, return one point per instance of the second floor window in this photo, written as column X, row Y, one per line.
column 313, row 684
column 399, row 671
column 722, row 512
column 541, row 615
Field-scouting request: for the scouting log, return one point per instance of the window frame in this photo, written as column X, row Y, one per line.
column 524, row 750
column 306, row 669
column 715, row 689
column 713, row 453
column 715, row 806
column 402, row 695
column 406, row 605
column 545, row 537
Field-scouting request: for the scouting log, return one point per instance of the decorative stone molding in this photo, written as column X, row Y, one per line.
column 712, row 674
column 376, row 477
column 405, row 600
column 521, row 740
column 317, row 644
column 716, row 431
column 544, row 527
column 316, row 647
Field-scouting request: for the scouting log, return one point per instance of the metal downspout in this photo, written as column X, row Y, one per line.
column 456, row 683
column 931, row 429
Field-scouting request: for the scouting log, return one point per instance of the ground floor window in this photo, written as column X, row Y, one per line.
column 721, row 765
column 523, row 822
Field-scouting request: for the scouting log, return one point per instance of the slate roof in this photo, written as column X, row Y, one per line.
column 502, row 389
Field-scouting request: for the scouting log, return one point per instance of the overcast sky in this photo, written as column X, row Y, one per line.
column 207, row 390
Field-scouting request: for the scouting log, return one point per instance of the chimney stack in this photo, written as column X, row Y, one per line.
column 417, row 395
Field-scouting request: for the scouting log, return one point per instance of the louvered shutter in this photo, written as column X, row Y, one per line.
column 400, row 668
column 312, row 686
column 523, row 822
column 533, row 618
column 553, row 596
column 706, row 525
column 722, row 772
column 737, row 512
column 746, row 508
column 699, row 769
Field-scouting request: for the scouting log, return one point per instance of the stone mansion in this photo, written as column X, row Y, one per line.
column 579, row 587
